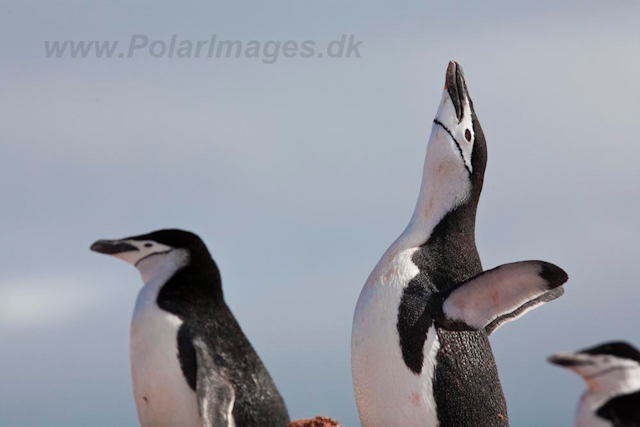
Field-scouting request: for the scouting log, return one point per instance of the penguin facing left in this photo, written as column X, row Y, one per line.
column 612, row 374
column 191, row 364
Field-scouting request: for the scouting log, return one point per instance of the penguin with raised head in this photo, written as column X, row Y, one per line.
column 612, row 374
column 420, row 353
column 191, row 364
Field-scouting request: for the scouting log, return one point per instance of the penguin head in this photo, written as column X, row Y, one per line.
column 457, row 151
column 148, row 252
column 605, row 366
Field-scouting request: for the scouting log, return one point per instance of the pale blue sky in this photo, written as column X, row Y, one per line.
column 298, row 175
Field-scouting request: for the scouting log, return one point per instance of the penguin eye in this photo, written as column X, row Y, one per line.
column 148, row 245
column 467, row 135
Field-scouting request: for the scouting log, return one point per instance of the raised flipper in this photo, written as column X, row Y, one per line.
column 500, row 295
column 542, row 299
column 215, row 393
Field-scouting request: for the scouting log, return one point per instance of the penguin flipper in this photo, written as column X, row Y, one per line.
column 499, row 295
column 542, row 299
column 215, row 393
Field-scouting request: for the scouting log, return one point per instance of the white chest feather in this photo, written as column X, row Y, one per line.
column 586, row 414
column 163, row 397
column 387, row 391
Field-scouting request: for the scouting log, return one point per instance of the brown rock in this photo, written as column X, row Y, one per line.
column 315, row 422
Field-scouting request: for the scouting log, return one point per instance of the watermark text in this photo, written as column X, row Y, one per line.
column 140, row 45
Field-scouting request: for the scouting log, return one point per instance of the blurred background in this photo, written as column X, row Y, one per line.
column 298, row 175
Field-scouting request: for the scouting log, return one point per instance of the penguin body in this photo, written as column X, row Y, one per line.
column 420, row 351
column 191, row 364
column 612, row 374
column 162, row 395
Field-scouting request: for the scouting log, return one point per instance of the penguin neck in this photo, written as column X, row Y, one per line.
column 445, row 190
column 615, row 382
column 160, row 267
column 187, row 284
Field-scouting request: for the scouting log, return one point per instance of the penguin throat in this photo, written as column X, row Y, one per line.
column 440, row 195
column 613, row 381
column 162, row 265
column 458, row 146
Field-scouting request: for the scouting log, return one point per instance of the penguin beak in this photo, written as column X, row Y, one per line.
column 456, row 85
column 568, row 360
column 112, row 247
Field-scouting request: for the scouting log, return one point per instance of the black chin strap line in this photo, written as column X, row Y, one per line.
column 609, row 370
column 439, row 123
column 150, row 255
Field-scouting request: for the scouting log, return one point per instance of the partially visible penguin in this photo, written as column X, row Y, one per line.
column 419, row 349
column 612, row 374
column 191, row 364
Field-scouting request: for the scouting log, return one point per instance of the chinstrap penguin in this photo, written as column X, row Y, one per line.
column 612, row 374
column 419, row 350
column 191, row 364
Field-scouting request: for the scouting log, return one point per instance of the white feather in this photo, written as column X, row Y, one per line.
column 387, row 392
column 163, row 397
